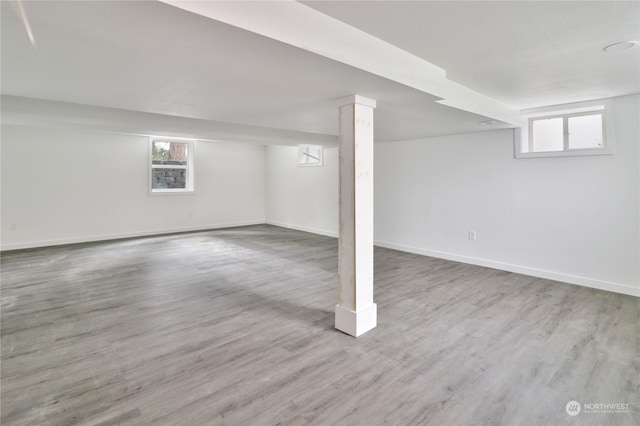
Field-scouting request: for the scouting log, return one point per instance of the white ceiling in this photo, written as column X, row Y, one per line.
column 151, row 57
column 524, row 53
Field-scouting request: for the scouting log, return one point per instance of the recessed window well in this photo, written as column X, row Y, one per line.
column 171, row 168
column 566, row 130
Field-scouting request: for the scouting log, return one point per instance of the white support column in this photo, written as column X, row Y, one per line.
column 355, row 312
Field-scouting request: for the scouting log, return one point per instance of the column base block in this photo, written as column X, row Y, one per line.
column 356, row 323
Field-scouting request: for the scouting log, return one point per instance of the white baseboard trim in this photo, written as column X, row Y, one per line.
column 525, row 270
column 519, row 269
column 303, row 228
column 106, row 237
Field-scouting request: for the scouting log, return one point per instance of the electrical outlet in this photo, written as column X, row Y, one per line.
column 472, row 235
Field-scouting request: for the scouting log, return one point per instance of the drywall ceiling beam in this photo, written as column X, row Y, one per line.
column 298, row 25
column 461, row 97
column 42, row 113
column 301, row 26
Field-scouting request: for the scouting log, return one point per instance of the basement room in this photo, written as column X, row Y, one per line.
column 320, row 213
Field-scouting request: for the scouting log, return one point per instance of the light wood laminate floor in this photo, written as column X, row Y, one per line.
column 235, row 327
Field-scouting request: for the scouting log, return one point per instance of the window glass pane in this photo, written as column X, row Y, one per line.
column 164, row 178
column 547, row 135
column 585, row 131
column 310, row 155
column 169, row 153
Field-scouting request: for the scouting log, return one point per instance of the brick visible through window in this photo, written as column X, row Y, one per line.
column 170, row 166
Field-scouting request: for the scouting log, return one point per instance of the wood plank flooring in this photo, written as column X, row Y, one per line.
column 235, row 327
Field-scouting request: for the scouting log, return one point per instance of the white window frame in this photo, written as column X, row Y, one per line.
column 189, row 168
column 600, row 107
column 302, row 148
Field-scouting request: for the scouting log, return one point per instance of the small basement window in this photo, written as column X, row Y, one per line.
column 580, row 131
column 310, row 155
column 171, row 168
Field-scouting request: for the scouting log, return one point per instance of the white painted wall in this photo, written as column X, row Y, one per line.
column 61, row 186
column 572, row 219
column 304, row 198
